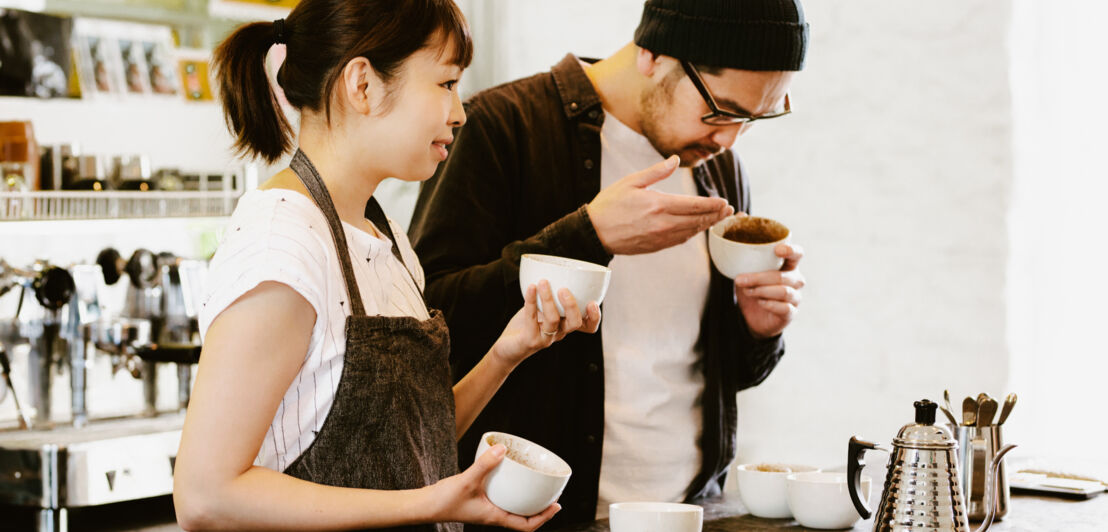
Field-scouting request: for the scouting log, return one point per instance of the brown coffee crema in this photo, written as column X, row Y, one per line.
column 773, row 468
column 519, row 456
column 755, row 230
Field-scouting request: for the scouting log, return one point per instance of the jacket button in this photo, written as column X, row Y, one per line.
column 593, row 114
column 590, row 439
column 593, row 367
column 588, row 164
column 573, row 106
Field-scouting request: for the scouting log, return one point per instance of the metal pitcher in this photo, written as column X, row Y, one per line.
column 922, row 490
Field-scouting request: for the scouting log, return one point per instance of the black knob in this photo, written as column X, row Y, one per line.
column 109, row 261
column 925, row 412
column 53, row 287
column 142, row 269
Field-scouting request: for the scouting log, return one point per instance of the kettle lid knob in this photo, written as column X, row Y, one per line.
column 924, row 433
column 925, row 412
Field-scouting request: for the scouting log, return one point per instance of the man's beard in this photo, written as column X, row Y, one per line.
column 655, row 104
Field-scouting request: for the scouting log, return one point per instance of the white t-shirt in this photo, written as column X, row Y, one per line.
column 280, row 235
column 652, row 315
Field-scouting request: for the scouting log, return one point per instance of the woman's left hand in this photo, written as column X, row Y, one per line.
column 531, row 329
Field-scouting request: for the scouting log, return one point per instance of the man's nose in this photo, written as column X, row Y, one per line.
column 725, row 136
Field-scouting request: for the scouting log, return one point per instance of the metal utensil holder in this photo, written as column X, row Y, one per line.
column 976, row 448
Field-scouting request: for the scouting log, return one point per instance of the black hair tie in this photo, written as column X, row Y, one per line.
column 279, row 36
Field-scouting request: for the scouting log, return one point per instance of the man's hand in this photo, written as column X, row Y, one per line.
column 631, row 219
column 769, row 300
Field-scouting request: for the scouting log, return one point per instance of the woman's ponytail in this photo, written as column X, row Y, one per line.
column 249, row 105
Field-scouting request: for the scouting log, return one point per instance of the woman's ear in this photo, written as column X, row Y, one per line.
column 361, row 87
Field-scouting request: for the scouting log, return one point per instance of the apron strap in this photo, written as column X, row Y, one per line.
column 375, row 214
column 308, row 175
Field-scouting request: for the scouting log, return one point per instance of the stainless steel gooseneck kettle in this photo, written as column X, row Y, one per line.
column 921, row 488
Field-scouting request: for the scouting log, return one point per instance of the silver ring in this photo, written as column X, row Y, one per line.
column 544, row 333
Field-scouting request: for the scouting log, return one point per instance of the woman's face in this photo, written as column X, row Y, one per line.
column 419, row 113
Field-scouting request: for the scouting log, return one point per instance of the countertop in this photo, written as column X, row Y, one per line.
column 1027, row 514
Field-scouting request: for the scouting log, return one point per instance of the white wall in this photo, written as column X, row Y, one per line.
column 173, row 133
column 1057, row 225
column 522, row 37
column 895, row 173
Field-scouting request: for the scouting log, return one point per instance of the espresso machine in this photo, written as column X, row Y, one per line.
column 162, row 308
column 53, row 463
column 51, row 288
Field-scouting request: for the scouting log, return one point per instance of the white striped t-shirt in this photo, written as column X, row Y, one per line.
column 281, row 235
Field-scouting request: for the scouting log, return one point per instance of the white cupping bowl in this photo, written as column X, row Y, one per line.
column 585, row 280
column 822, row 500
column 735, row 258
column 655, row 517
column 529, row 479
column 763, row 492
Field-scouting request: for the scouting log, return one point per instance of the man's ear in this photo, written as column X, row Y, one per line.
column 648, row 62
column 360, row 86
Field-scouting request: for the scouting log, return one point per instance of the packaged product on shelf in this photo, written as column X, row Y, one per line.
column 36, row 56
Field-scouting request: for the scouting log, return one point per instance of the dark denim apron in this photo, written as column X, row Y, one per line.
column 391, row 426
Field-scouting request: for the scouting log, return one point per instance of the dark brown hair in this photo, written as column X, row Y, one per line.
column 322, row 36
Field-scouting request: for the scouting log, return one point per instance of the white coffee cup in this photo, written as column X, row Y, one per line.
column 655, row 517
column 762, row 488
column 529, row 479
column 822, row 499
column 734, row 258
column 585, row 280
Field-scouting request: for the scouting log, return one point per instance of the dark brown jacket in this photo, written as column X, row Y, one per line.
column 517, row 180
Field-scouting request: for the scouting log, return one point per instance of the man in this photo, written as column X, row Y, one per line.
column 645, row 410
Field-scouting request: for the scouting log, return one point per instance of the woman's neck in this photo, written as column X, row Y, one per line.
column 349, row 179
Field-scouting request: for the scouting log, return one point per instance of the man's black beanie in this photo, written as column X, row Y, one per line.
column 742, row 34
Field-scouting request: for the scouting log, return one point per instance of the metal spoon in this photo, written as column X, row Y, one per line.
column 986, row 412
column 969, row 412
column 946, row 402
column 1009, row 403
column 949, row 415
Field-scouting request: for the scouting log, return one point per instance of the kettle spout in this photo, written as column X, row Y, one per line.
column 991, row 484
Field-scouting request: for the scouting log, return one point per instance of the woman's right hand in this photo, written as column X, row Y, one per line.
column 531, row 329
column 463, row 498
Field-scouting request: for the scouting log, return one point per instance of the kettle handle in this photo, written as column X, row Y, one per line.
column 855, row 461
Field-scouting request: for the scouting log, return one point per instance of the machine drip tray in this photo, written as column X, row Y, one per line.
column 104, row 462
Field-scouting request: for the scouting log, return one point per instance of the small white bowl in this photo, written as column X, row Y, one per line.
column 763, row 492
column 655, row 517
column 585, row 280
column 736, row 258
column 822, row 500
column 529, row 479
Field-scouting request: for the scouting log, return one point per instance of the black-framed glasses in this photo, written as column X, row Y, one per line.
column 722, row 117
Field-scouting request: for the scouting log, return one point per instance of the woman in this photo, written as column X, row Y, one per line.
column 323, row 398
